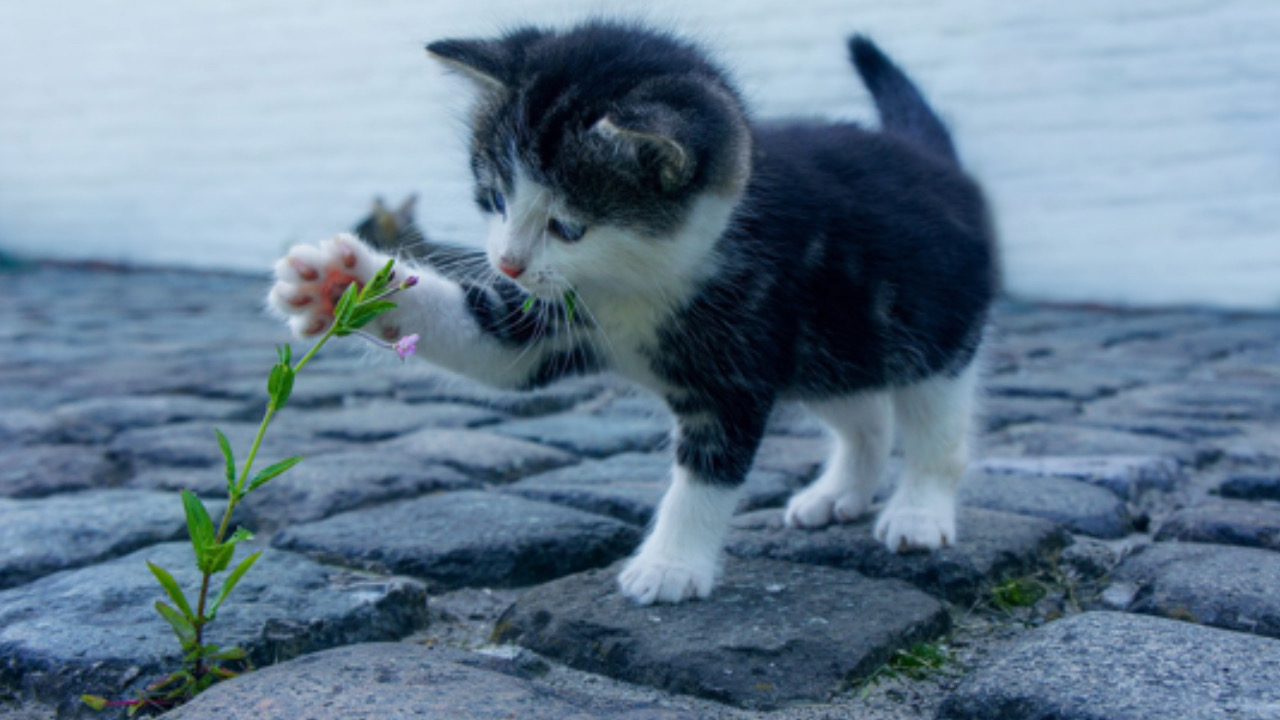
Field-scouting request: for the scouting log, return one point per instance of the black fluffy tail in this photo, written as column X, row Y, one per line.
column 903, row 110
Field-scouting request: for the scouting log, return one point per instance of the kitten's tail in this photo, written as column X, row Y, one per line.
column 903, row 110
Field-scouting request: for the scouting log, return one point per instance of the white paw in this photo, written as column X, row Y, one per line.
column 311, row 279
column 908, row 526
column 648, row 580
column 816, row 507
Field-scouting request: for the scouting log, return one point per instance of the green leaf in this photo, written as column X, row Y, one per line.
column 528, row 304
column 217, row 557
column 570, row 304
column 365, row 312
column 274, row 471
column 343, row 309
column 171, row 587
column 377, row 283
column 185, row 631
column 280, row 384
column 227, row 455
column 232, row 579
column 285, row 353
column 199, row 526
column 232, row 653
column 95, row 702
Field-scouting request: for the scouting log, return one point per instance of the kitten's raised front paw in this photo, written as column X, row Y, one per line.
column 311, row 279
column 907, row 527
column 648, row 580
column 816, row 507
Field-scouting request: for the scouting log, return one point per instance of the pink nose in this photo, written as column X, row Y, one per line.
column 511, row 269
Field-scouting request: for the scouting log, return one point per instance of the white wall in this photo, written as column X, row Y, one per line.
column 1132, row 148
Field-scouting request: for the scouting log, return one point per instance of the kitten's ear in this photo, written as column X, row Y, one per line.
column 405, row 214
column 651, row 138
column 484, row 61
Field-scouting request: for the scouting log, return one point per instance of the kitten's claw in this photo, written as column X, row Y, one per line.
column 907, row 527
column 648, row 580
column 311, row 279
column 815, row 508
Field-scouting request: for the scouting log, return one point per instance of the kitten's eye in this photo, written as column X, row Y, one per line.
column 498, row 202
column 567, row 232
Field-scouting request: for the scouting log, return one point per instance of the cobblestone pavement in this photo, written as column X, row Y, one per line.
column 448, row 550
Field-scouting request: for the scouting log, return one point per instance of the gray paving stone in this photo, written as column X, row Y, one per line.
column 993, row 547
column 1040, row 439
column 1200, row 400
column 1072, row 386
column 312, row 389
column 385, row 420
column 1226, row 522
column 36, row 471
column 326, row 485
column 1077, row 506
column 1128, row 476
column 998, row 413
column 482, row 455
column 1251, row 487
column 629, row 486
column 95, row 630
column 793, row 419
column 97, row 420
column 466, row 538
column 799, row 458
column 1218, row 585
column 1111, row 666
column 771, row 634
column 193, row 444
column 377, row 681
column 38, row 537
column 427, row 385
column 591, row 437
column 22, row 427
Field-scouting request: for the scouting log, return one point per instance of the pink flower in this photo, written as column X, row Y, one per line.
column 409, row 282
column 406, row 346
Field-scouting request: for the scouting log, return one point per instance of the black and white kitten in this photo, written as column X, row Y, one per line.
column 723, row 265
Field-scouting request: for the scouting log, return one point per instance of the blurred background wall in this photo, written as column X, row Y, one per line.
column 1131, row 149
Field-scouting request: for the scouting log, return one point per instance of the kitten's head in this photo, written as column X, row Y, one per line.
column 606, row 156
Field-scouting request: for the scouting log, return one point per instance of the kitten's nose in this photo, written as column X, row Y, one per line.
column 510, row 268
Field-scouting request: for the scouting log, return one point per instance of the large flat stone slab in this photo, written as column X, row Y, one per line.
column 383, row 420
column 39, row 470
column 771, row 634
column 590, row 436
column 629, row 486
column 993, row 546
column 1077, row 506
column 38, row 537
column 1227, row 522
column 482, row 455
column 1112, row 666
column 430, row 385
column 194, row 445
column 466, row 538
column 95, row 630
column 377, row 681
column 1219, row 585
column 1128, row 476
column 1041, row 439
column 325, row 485
column 97, row 420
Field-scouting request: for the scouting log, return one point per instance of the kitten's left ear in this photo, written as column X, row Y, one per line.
column 492, row 64
column 484, row 61
column 651, row 135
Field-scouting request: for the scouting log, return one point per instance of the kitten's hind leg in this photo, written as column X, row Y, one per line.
column 862, row 429
column 934, row 421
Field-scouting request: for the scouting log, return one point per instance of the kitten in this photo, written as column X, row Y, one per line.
column 723, row 265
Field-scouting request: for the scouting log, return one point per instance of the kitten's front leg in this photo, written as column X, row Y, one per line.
column 467, row 327
column 680, row 557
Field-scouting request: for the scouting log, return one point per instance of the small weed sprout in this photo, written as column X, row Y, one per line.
column 920, row 661
column 204, row 664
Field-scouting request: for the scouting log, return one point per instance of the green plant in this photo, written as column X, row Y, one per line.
column 918, row 662
column 1018, row 592
column 204, row 664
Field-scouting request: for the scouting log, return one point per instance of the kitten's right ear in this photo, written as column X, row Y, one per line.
column 484, row 61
